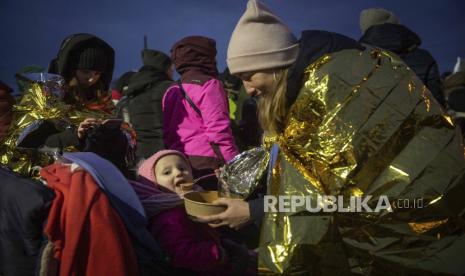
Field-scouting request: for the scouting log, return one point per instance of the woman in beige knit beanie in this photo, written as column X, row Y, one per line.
column 261, row 52
column 346, row 122
column 271, row 62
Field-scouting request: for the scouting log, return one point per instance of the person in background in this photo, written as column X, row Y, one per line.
column 381, row 28
column 86, row 63
column 195, row 109
column 143, row 101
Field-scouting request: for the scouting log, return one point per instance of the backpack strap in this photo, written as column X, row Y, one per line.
column 214, row 146
column 188, row 99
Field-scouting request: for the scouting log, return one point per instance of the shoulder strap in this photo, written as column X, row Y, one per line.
column 215, row 147
column 189, row 100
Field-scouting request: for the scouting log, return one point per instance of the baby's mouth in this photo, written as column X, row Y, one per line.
column 184, row 185
column 181, row 181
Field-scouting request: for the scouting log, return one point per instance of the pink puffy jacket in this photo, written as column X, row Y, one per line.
column 184, row 130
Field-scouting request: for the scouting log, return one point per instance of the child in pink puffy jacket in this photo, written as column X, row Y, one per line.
column 188, row 244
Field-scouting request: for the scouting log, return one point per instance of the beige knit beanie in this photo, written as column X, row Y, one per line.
column 371, row 17
column 260, row 41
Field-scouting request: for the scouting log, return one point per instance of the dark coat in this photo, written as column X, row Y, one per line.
column 144, row 104
column 405, row 43
column 24, row 206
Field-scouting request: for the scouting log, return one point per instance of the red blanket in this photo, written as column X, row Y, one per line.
column 89, row 236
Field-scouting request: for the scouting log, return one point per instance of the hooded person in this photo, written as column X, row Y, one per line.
column 86, row 63
column 195, row 110
column 143, row 101
column 345, row 122
column 69, row 111
column 381, row 28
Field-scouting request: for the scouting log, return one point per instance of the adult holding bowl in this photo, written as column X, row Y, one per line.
column 342, row 120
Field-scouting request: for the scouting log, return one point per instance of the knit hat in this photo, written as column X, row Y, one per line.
column 155, row 59
column 146, row 169
column 91, row 58
column 371, row 17
column 260, row 41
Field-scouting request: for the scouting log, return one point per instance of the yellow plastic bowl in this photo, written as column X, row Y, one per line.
column 199, row 204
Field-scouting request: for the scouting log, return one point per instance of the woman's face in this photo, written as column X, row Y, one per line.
column 86, row 77
column 258, row 83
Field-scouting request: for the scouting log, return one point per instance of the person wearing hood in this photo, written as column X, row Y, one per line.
column 195, row 109
column 143, row 101
column 381, row 28
column 6, row 108
column 347, row 122
column 86, row 63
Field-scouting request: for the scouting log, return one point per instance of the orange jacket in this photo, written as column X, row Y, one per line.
column 89, row 236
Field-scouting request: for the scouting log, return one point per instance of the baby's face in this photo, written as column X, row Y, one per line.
column 171, row 171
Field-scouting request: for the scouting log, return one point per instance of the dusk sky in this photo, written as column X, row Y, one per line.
column 33, row 30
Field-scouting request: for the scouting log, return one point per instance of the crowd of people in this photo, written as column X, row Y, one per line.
column 92, row 176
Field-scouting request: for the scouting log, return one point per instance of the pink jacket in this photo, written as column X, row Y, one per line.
column 184, row 130
column 190, row 245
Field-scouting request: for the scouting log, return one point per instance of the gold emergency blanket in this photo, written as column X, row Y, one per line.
column 40, row 102
column 364, row 124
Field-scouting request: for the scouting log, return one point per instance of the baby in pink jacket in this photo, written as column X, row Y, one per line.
column 189, row 245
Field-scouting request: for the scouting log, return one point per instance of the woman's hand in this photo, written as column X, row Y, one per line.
column 87, row 124
column 235, row 216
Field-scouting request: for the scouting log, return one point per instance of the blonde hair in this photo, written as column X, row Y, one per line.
column 272, row 107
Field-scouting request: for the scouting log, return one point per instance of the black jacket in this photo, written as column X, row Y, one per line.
column 144, row 104
column 24, row 206
column 405, row 43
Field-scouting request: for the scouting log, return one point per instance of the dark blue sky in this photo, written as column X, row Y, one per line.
column 31, row 31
